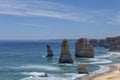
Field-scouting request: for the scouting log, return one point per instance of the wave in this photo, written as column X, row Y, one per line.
column 41, row 78
column 41, row 67
column 101, row 61
column 33, row 73
column 66, row 64
column 35, row 76
column 102, row 69
column 114, row 53
column 74, row 75
column 96, row 61
column 103, row 56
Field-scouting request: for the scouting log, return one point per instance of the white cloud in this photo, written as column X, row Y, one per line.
column 47, row 9
column 115, row 20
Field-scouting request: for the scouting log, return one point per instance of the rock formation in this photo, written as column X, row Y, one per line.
column 65, row 56
column 45, row 75
column 82, row 69
column 94, row 42
column 103, row 43
column 114, row 44
column 49, row 51
column 83, row 49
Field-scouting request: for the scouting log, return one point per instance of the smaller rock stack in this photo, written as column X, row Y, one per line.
column 83, row 49
column 49, row 51
column 82, row 69
column 65, row 56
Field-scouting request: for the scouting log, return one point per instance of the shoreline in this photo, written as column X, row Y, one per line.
column 112, row 68
column 112, row 74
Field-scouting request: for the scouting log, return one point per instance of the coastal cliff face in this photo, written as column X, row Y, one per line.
column 94, row 42
column 82, row 69
column 49, row 51
column 114, row 44
column 111, row 43
column 65, row 56
column 83, row 49
column 104, row 43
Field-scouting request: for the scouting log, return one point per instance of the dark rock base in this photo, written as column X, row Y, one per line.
column 84, row 56
column 66, row 61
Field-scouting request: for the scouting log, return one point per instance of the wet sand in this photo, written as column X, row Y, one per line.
column 113, row 74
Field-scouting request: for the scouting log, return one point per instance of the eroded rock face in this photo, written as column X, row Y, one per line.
column 82, row 69
column 114, row 44
column 83, row 49
column 49, row 51
column 104, row 43
column 94, row 42
column 65, row 56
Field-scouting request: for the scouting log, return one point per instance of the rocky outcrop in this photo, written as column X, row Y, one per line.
column 104, row 43
column 114, row 44
column 83, row 49
column 82, row 69
column 94, row 42
column 65, row 56
column 49, row 51
column 44, row 75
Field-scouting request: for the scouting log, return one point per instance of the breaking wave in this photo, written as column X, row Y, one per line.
column 41, row 67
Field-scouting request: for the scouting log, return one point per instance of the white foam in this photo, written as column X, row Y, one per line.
column 41, row 67
column 43, row 56
column 102, row 69
column 93, row 59
column 43, row 78
column 33, row 73
column 77, row 76
column 101, row 61
column 114, row 53
column 66, row 64
column 97, row 61
column 103, row 56
column 35, row 76
column 74, row 75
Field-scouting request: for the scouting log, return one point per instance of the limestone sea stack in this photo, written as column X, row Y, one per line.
column 82, row 69
column 65, row 56
column 49, row 51
column 83, row 49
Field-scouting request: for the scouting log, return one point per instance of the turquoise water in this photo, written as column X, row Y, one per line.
column 25, row 60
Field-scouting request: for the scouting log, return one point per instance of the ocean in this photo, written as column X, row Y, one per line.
column 25, row 60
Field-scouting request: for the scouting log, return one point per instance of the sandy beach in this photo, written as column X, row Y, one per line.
column 111, row 75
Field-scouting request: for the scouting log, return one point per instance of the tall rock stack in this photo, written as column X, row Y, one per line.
column 65, row 56
column 49, row 51
column 83, row 49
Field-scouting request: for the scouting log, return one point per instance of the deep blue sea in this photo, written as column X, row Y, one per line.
column 25, row 60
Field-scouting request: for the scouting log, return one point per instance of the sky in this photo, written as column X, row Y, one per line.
column 59, row 19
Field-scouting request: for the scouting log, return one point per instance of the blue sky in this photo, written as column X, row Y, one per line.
column 58, row 19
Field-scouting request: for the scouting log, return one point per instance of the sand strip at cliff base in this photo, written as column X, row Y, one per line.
column 111, row 75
